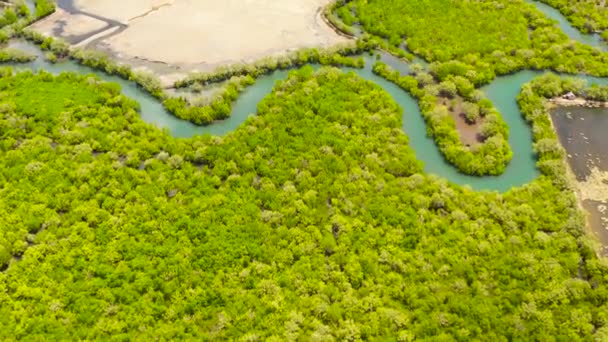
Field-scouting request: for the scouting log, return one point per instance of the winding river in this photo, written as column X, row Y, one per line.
column 593, row 39
column 502, row 92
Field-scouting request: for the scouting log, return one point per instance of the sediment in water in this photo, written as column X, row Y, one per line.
column 581, row 131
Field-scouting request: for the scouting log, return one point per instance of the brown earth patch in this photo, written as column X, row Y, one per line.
column 469, row 133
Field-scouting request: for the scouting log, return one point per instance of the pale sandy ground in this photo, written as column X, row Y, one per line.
column 595, row 187
column 70, row 25
column 217, row 32
column 578, row 102
column 122, row 11
column 594, row 194
column 195, row 34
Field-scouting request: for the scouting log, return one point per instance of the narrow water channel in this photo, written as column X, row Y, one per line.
column 502, row 92
column 593, row 39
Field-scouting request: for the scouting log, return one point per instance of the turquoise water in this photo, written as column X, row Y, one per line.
column 593, row 39
column 502, row 92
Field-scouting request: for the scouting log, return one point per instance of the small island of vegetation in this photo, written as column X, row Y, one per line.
column 315, row 219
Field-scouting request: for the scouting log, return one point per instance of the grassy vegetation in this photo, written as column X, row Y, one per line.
column 488, row 158
column 436, row 29
column 46, row 95
column 237, row 76
column 336, row 56
column 469, row 43
column 11, row 16
column 586, row 15
column 14, row 55
column 312, row 222
column 487, row 37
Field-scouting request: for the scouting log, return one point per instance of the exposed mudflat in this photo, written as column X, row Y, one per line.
column 191, row 34
column 583, row 133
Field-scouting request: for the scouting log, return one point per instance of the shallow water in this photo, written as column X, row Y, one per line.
column 593, row 39
column 502, row 92
column 582, row 132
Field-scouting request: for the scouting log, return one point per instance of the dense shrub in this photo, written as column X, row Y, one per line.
column 312, row 221
column 332, row 56
column 488, row 158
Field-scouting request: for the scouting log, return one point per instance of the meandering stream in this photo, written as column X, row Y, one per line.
column 593, row 39
column 502, row 92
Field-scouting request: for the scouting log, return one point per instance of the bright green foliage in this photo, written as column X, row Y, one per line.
column 336, row 56
column 11, row 15
column 551, row 85
column 237, row 76
column 13, row 55
column 8, row 17
column 310, row 222
column 219, row 109
column 44, row 8
column 446, row 29
column 478, row 39
column 469, row 43
column 488, row 158
column 344, row 18
column 46, row 95
column 471, row 112
column 586, row 15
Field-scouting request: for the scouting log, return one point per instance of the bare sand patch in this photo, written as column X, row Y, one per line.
column 595, row 187
column 122, row 12
column 593, row 193
column 68, row 26
column 578, row 102
column 188, row 35
column 218, row 32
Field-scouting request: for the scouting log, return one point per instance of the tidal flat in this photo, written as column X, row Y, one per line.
column 582, row 132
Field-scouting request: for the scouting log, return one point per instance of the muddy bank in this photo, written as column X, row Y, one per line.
column 191, row 35
column 582, row 132
column 578, row 102
column 173, row 38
